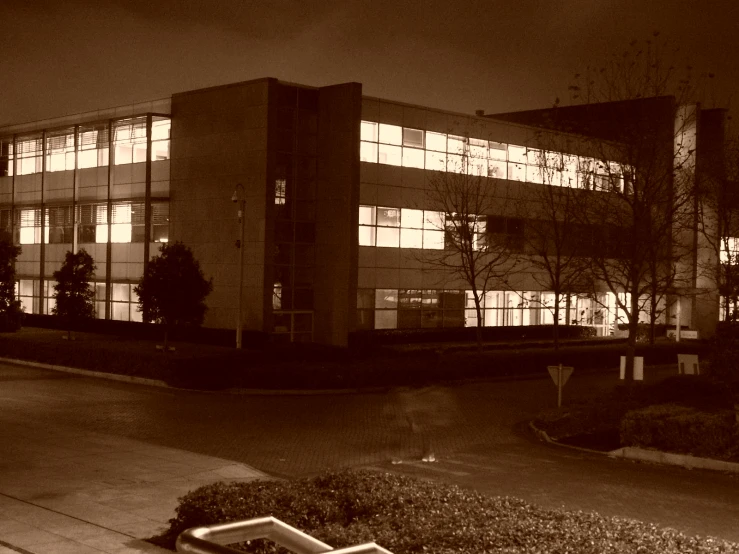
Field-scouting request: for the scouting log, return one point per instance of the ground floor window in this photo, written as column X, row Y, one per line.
column 124, row 301
column 729, row 309
column 422, row 308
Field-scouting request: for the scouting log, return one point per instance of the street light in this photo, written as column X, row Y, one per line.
column 238, row 198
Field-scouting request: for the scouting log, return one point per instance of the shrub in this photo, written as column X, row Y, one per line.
column 700, row 392
column 11, row 319
column 407, row 515
column 681, row 429
column 724, row 358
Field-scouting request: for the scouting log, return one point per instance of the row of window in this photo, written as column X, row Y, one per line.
column 123, row 299
column 431, row 230
column 24, row 156
column 407, row 147
column 127, row 223
column 416, row 308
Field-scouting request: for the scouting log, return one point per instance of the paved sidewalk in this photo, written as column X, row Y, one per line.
column 69, row 493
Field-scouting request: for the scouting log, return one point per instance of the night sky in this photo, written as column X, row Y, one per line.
column 70, row 56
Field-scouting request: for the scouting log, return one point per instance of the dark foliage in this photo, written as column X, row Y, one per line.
column 173, row 289
column 11, row 313
column 468, row 334
column 75, row 298
column 682, row 429
column 406, row 515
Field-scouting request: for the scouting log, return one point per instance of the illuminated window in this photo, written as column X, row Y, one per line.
column 390, row 155
column 391, row 134
column 280, row 185
column 29, row 156
column 368, row 152
column 456, row 144
column 435, row 160
column 60, row 152
column 367, row 226
column 436, row 141
column 413, row 157
column 93, row 147
column 729, row 250
column 129, row 141
column 160, row 134
column 124, row 302
column 407, row 147
column 369, row 131
column 28, row 223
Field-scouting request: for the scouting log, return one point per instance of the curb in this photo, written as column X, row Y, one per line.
column 642, row 454
column 668, row 458
column 163, row 384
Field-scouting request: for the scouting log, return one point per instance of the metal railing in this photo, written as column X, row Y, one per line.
column 212, row 539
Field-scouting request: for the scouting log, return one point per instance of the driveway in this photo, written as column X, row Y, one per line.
column 479, row 433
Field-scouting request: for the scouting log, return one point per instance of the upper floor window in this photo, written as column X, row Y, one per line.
column 409, row 147
column 129, row 141
column 29, row 155
column 160, row 134
column 6, row 157
column 93, row 146
column 60, row 151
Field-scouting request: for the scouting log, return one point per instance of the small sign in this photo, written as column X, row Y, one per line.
column 564, row 374
column 687, row 364
column 638, row 368
column 559, row 376
column 684, row 334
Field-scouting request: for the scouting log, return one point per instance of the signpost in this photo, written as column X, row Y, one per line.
column 687, row 364
column 559, row 376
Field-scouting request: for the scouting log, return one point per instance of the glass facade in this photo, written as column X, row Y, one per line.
column 52, row 200
column 407, row 147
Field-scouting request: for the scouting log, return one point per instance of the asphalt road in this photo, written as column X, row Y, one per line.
column 480, row 439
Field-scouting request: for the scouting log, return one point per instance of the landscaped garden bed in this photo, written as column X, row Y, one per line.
column 686, row 414
column 406, row 515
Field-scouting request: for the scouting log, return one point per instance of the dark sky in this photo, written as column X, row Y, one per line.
column 69, row 56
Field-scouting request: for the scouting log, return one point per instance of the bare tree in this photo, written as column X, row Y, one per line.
column 718, row 213
column 552, row 235
column 458, row 201
column 642, row 178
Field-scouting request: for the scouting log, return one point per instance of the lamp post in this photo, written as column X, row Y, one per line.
column 238, row 199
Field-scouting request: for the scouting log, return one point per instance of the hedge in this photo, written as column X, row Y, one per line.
column 407, row 515
column 682, row 429
column 605, row 412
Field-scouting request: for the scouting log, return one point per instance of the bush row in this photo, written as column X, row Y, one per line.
column 682, row 429
column 406, row 515
column 295, row 367
column 468, row 334
column 606, row 412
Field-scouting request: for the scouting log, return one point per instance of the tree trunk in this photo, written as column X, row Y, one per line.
column 556, row 324
column 166, row 338
column 631, row 341
column 478, row 331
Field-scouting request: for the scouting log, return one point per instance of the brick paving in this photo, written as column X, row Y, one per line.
column 113, row 457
